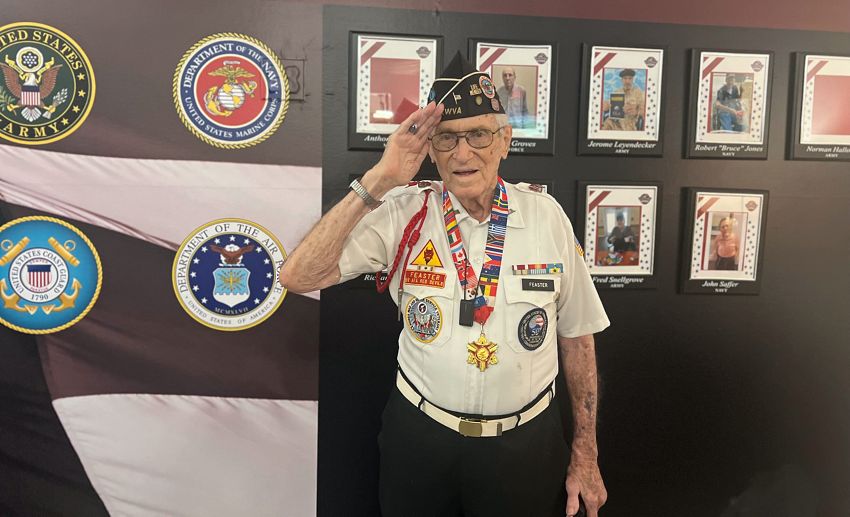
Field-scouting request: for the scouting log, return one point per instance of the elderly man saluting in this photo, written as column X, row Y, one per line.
column 491, row 285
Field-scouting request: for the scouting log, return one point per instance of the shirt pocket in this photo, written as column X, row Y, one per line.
column 428, row 314
column 530, row 315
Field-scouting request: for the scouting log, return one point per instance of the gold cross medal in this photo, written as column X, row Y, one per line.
column 482, row 353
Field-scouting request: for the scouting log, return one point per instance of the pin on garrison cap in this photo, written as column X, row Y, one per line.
column 464, row 91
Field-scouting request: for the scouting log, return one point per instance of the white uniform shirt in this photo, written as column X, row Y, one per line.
column 538, row 232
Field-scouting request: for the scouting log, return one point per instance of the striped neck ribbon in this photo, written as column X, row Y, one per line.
column 482, row 290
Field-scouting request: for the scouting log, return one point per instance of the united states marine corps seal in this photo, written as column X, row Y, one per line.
column 225, row 274
column 50, row 275
column 47, row 87
column 231, row 91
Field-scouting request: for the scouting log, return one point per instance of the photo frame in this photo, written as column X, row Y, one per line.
column 389, row 78
column 619, row 227
column 729, row 104
column 621, row 101
column 524, row 74
column 820, row 130
column 724, row 243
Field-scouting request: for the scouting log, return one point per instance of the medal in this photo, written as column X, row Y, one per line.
column 481, row 352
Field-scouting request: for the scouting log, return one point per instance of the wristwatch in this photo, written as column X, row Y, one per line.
column 361, row 191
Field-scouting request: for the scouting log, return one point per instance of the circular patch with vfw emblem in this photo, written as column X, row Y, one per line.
column 424, row 319
column 225, row 274
column 231, row 91
column 532, row 329
column 50, row 275
column 47, row 84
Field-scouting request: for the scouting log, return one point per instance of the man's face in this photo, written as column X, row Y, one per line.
column 730, row 80
column 466, row 171
column 509, row 78
column 628, row 82
column 725, row 227
column 621, row 223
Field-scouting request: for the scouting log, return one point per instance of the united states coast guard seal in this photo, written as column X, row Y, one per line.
column 50, row 275
column 231, row 91
column 225, row 274
column 47, row 89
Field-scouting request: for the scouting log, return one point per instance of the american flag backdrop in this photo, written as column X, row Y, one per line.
column 138, row 410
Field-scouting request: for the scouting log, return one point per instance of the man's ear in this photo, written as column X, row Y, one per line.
column 507, row 135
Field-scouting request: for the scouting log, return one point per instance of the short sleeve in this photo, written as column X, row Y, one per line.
column 367, row 248
column 580, row 310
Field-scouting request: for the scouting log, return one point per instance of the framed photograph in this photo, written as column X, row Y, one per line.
column 389, row 78
column 725, row 239
column 620, row 235
column 729, row 104
column 621, row 101
column 820, row 129
column 524, row 76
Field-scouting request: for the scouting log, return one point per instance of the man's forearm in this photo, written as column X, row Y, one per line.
column 314, row 263
column 578, row 356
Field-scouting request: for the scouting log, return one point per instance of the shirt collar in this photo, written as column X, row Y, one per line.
column 515, row 219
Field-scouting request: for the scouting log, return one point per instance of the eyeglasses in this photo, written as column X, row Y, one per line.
column 477, row 138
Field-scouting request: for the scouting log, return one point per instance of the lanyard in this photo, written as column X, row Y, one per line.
column 488, row 282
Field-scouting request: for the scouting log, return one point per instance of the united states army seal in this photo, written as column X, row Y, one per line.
column 231, row 91
column 50, row 275
column 225, row 274
column 47, row 88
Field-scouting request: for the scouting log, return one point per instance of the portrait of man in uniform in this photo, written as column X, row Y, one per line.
column 624, row 101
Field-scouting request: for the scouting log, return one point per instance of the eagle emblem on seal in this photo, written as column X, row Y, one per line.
column 30, row 80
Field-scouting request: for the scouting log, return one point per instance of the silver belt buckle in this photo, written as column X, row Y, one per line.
column 474, row 428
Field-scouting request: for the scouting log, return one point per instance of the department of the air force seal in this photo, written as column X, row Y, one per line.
column 47, row 87
column 225, row 274
column 231, row 91
column 50, row 275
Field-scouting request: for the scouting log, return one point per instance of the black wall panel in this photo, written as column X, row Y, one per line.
column 709, row 405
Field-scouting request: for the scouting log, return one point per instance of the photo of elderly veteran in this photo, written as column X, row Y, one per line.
column 728, row 109
column 624, row 102
column 514, row 98
column 472, row 428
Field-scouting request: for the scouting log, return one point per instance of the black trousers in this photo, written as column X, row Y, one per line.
column 428, row 470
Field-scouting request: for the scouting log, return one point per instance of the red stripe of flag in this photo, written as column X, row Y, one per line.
column 708, row 204
column 599, row 199
column 815, row 69
column 490, row 60
column 604, row 61
column 711, row 66
column 366, row 56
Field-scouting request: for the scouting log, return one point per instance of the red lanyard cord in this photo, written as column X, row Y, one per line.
column 408, row 239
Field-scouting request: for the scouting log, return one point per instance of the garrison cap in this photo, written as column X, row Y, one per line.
column 464, row 91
